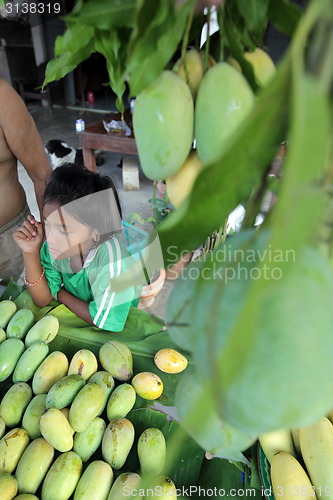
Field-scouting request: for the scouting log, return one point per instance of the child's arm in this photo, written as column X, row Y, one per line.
column 76, row 305
column 29, row 238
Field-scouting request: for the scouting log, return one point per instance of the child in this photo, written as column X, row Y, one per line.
column 82, row 252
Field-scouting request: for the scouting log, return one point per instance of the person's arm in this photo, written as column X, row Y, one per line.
column 23, row 139
column 76, row 305
column 29, row 238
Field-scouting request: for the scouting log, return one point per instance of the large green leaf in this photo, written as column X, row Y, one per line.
column 103, row 14
column 216, row 191
column 285, row 15
column 110, row 44
column 12, row 291
column 255, row 14
column 222, row 478
column 154, row 43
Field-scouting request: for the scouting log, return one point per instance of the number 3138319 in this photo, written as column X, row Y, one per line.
column 32, row 8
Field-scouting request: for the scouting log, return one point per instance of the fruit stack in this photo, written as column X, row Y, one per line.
column 301, row 460
column 58, row 415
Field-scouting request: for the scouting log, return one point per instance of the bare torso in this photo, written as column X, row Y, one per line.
column 19, row 140
column 12, row 196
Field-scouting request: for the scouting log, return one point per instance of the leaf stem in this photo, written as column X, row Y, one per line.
column 184, row 47
column 208, row 40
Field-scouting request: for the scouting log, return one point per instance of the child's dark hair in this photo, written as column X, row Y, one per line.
column 71, row 182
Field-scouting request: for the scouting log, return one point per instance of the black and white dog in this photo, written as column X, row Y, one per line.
column 59, row 153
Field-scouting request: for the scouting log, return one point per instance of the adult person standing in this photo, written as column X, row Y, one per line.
column 19, row 140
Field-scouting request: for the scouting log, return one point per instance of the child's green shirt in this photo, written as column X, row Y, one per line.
column 108, row 310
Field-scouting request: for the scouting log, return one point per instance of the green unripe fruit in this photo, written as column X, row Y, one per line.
column 43, row 331
column 7, row 310
column 62, row 477
column 10, row 352
column 116, row 358
column 117, row 442
column 163, row 125
column 20, row 323
column 91, row 486
column 63, row 392
column 33, row 465
column 30, row 361
column 152, row 452
column 14, row 403
column 32, row 414
column 87, row 442
column 224, row 101
column 121, row 401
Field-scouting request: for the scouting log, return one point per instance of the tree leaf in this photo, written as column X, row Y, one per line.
column 12, row 291
column 215, row 191
column 254, row 13
column 285, row 15
column 104, row 14
column 155, row 46
column 73, row 39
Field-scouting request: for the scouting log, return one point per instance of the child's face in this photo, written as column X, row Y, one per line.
column 66, row 237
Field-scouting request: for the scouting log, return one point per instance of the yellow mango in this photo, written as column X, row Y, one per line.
column 117, row 441
column 289, row 479
column 87, row 442
column 90, row 485
column 8, row 486
column 62, row 477
column 12, row 446
column 170, row 361
column 86, row 406
column 52, row 369
column 123, row 486
column 33, row 465
column 83, row 363
column 194, row 71
column 56, row 429
column 147, row 385
column 116, row 358
column 180, row 184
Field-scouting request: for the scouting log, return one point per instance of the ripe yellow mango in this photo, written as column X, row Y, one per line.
column 224, row 101
column 163, row 125
column 8, row 486
column 194, row 69
column 33, row 465
column 152, row 452
column 117, row 441
column 14, row 403
column 170, row 361
column 83, row 363
column 316, row 443
column 263, row 66
column 86, row 406
column 147, row 385
column 62, row 477
column 289, row 479
column 32, row 414
column 12, row 446
column 56, row 429
column 180, row 184
column 276, row 441
column 121, row 401
column 52, row 369
column 91, row 486
column 124, row 485
column 106, row 381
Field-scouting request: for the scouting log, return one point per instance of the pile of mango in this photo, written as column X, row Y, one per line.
column 55, row 414
column 185, row 119
column 301, row 460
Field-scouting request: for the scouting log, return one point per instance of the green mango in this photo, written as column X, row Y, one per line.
column 116, row 358
column 63, row 392
column 106, row 381
column 33, row 465
column 62, row 477
column 224, row 100
column 26, row 496
column 2, row 427
column 83, row 363
column 152, row 451
column 43, row 331
column 162, row 487
column 10, row 352
column 3, row 335
column 86, row 406
column 30, row 361
column 53, row 368
column 124, row 485
column 20, row 323
column 163, row 125
column 87, row 442
column 14, row 403
column 121, row 402
column 7, row 310
column 8, row 486
column 56, row 429
column 32, row 414
column 12, row 446
column 117, row 441
column 90, row 485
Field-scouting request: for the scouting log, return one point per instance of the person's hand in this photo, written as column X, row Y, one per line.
column 29, row 237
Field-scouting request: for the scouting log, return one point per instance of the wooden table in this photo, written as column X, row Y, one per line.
column 96, row 137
